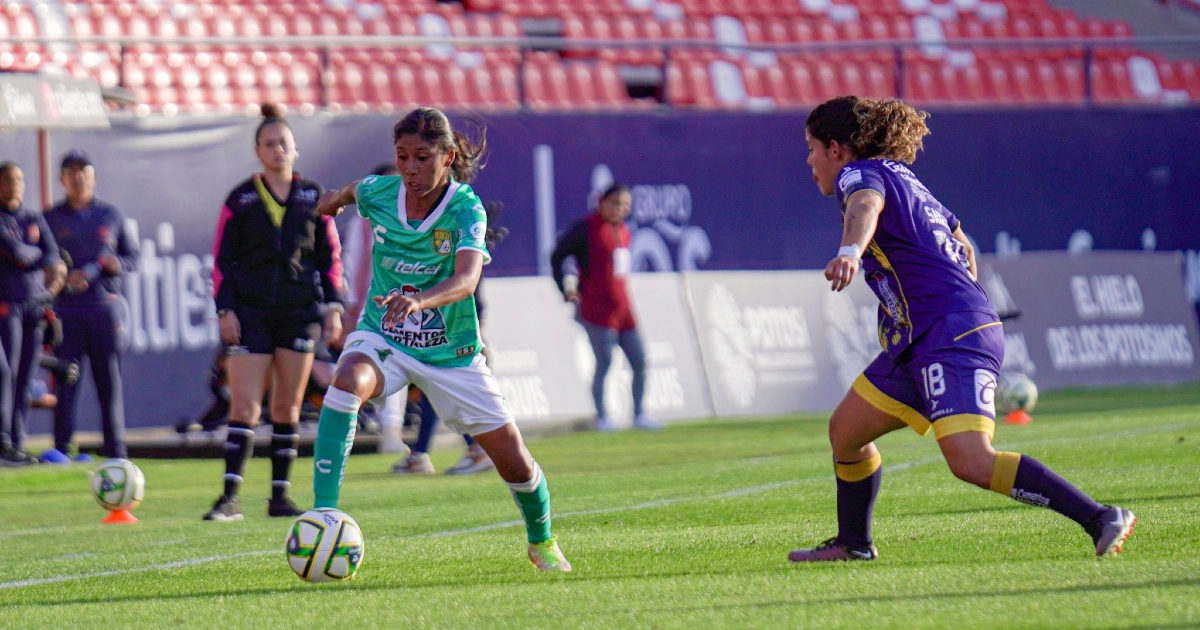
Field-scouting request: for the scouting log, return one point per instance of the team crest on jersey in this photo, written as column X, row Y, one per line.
column 441, row 241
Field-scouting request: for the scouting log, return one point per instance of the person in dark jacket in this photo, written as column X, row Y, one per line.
column 600, row 243
column 93, row 238
column 278, row 273
column 27, row 249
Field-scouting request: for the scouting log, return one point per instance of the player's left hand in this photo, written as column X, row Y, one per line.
column 76, row 281
column 333, row 327
column 398, row 308
column 840, row 271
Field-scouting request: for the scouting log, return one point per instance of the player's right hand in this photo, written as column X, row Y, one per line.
column 231, row 328
column 328, row 204
column 571, row 296
column 840, row 271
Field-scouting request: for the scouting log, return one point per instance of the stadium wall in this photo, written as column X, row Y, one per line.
column 712, row 191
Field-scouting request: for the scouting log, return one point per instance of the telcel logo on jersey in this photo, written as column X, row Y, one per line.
column 413, row 269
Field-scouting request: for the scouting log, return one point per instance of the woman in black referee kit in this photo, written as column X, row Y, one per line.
column 278, row 273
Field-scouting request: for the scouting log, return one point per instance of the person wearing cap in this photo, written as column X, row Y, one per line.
column 27, row 254
column 99, row 251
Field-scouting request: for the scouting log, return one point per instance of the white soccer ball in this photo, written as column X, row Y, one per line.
column 1016, row 391
column 118, row 484
column 325, row 545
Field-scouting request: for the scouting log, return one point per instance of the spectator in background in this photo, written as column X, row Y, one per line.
column 599, row 243
column 27, row 248
column 98, row 251
column 278, row 272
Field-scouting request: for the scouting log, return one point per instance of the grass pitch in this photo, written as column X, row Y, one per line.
column 687, row 528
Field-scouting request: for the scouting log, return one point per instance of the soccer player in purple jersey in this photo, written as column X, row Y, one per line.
column 942, row 341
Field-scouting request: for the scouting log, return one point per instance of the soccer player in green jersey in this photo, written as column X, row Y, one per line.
column 420, row 325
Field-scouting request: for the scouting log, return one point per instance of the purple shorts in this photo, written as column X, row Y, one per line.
column 946, row 379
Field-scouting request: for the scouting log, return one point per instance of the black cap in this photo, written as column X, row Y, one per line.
column 75, row 157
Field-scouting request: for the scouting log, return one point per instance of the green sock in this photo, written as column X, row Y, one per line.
column 533, row 499
column 335, row 438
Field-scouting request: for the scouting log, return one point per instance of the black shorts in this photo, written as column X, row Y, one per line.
column 267, row 329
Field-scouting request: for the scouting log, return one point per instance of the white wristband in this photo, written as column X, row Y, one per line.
column 854, row 251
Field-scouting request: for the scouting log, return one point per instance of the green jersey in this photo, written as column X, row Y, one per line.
column 412, row 256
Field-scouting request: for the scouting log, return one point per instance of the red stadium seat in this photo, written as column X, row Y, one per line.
column 800, row 79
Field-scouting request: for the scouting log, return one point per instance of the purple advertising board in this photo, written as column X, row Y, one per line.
column 712, row 191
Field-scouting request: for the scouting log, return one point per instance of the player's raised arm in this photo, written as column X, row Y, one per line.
column 333, row 202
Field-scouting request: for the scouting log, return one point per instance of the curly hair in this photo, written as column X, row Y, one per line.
column 887, row 128
column 432, row 126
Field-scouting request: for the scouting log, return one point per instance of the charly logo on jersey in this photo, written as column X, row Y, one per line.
column 425, row 328
column 985, row 391
column 442, row 243
column 478, row 230
column 247, row 198
column 308, row 194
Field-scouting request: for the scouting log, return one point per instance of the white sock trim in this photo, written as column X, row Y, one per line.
column 280, row 483
column 341, row 400
column 233, row 477
column 532, row 484
column 242, row 431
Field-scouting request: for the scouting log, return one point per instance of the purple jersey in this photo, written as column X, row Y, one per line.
column 914, row 264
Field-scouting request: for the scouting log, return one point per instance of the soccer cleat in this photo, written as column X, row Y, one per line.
column 646, row 423
column 83, row 458
column 225, row 509
column 604, row 425
column 414, row 464
column 831, row 550
column 1111, row 529
column 546, row 556
column 54, row 456
column 282, row 506
column 475, row 460
column 16, row 458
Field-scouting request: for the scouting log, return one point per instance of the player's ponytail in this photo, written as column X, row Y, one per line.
column 432, row 126
column 888, row 128
column 272, row 114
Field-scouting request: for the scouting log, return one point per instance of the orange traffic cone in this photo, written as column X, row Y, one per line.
column 1018, row 417
column 119, row 517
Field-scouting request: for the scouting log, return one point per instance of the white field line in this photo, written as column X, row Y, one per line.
column 154, row 567
column 739, row 492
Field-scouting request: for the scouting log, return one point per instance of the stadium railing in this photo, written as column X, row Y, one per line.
column 539, row 73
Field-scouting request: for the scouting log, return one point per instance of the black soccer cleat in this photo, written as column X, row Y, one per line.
column 831, row 551
column 225, row 509
column 283, row 506
column 15, row 458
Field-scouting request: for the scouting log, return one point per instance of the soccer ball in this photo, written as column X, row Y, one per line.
column 1016, row 391
column 118, row 484
column 325, row 545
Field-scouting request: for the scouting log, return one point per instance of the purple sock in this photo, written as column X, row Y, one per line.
column 855, row 508
column 1038, row 485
